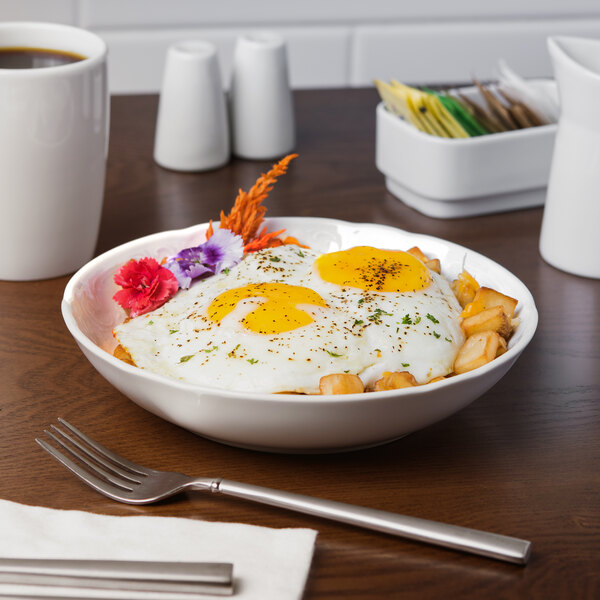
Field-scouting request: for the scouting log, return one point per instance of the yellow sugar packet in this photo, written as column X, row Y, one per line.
column 395, row 101
column 438, row 112
column 422, row 110
column 413, row 104
column 420, row 103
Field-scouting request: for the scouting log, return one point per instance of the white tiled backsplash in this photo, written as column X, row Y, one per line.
column 331, row 43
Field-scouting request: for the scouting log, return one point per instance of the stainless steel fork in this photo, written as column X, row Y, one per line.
column 126, row 481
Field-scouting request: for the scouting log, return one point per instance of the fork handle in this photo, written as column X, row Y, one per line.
column 491, row 545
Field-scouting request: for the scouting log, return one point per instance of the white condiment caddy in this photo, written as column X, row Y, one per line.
column 449, row 178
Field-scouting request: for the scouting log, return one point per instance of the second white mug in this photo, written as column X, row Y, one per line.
column 569, row 238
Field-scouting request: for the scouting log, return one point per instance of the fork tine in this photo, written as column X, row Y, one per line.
column 109, row 466
column 114, row 492
column 104, row 451
column 92, row 467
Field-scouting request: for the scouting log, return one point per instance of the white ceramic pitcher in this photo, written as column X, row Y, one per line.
column 570, row 237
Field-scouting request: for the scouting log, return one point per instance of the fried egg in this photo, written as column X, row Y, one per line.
column 286, row 316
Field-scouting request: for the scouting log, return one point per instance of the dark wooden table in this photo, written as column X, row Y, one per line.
column 523, row 460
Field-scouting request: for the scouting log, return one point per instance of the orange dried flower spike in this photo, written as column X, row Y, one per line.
column 264, row 240
column 247, row 213
column 270, row 240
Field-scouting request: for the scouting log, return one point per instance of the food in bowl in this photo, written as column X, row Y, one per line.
column 274, row 316
column 284, row 317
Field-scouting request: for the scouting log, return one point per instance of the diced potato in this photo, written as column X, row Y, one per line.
column 478, row 350
column 122, row 354
column 487, row 298
column 394, row 381
column 502, row 347
column 435, row 265
column 464, row 294
column 493, row 319
column 464, row 287
column 416, row 252
column 341, row 383
column 468, row 279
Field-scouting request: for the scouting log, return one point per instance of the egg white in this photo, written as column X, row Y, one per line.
column 366, row 333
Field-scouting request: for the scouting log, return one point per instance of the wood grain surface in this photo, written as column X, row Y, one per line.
column 523, row 460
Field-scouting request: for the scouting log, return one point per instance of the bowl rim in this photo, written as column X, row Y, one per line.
column 83, row 340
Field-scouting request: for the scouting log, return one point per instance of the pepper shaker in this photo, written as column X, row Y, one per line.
column 261, row 104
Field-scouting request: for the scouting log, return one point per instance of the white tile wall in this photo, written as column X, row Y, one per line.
column 457, row 52
column 54, row 11
column 174, row 13
column 331, row 43
column 317, row 57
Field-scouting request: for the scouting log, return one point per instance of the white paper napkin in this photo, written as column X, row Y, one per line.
column 268, row 563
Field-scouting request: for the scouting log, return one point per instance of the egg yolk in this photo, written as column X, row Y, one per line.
column 277, row 314
column 372, row 269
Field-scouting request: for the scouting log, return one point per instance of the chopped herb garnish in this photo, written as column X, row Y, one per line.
column 275, row 259
column 376, row 316
column 150, row 322
column 436, row 334
column 406, row 320
column 332, row 353
column 406, row 364
column 358, row 322
column 432, row 318
column 226, row 270
column 252, row 361
column 210, row 349
column 347, row 371
column 230, row 354
column 417, row 320
column 361, row 300
column 448, row 339
column 172, row 331
column 186, row 358
column 300, row 254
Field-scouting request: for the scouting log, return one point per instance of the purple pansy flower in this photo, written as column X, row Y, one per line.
column 224, row 249
column 186, row 271
column 221, row 251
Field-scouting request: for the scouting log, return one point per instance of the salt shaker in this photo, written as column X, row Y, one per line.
column 192, row 127
column 261, row 104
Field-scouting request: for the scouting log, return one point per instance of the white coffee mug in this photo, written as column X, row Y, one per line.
column 53, row 146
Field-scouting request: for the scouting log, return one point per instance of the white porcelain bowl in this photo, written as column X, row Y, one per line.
column 286, row 422
column 448, row 178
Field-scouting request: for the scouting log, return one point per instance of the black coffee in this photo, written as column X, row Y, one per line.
column 35, row 58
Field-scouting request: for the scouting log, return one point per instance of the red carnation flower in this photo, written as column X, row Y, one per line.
column 146, row 286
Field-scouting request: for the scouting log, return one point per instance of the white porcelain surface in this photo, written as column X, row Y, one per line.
column 285, row 422
column 53, row 144
column 448, row 178
column 261, row 104
column 570, row 239
column 192, row 127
